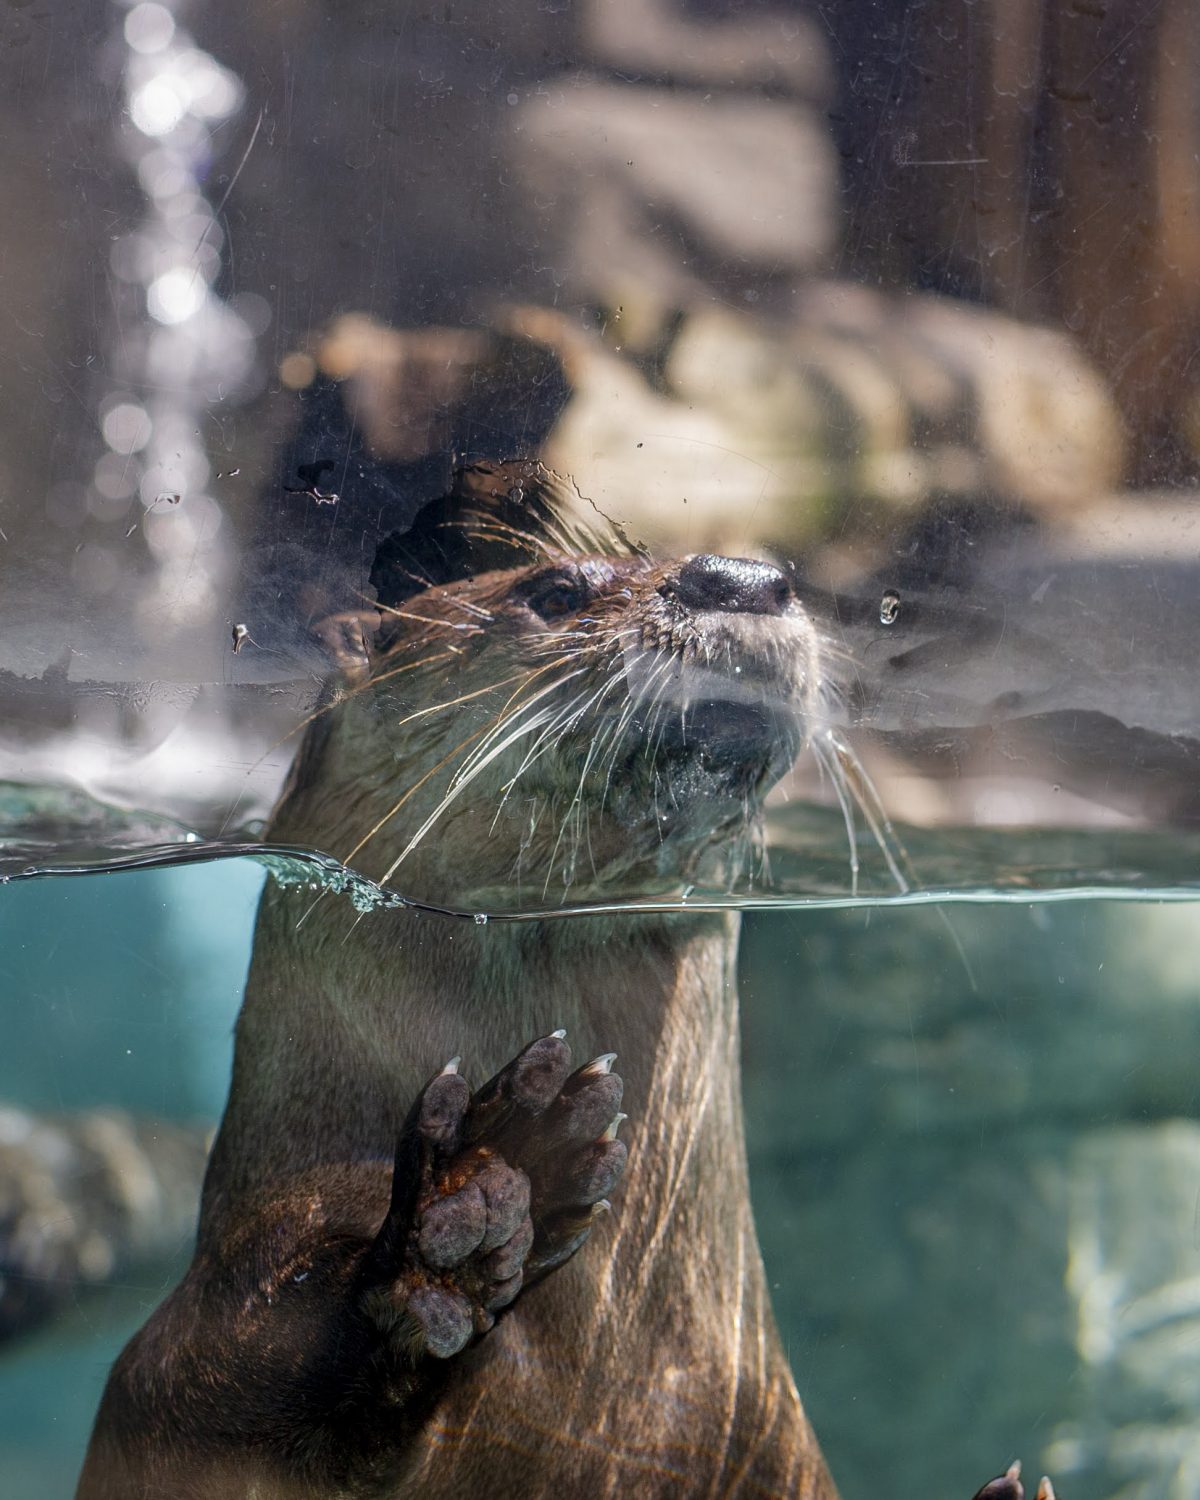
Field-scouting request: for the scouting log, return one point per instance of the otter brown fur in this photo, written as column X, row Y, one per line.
column 638, row 713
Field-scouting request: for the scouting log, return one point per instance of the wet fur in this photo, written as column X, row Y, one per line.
column 649, row 1364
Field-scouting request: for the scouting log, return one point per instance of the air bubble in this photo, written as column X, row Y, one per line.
column 889, row 608
column 481, row 919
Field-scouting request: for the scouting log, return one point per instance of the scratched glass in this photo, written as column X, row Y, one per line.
column 866, row 330
column 264, row 292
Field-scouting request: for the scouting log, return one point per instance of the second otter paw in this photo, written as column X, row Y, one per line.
column 493, row 1189
column 1009, row 1487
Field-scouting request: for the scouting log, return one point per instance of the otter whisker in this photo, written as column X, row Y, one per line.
column 433, row 708
column 334, row 701
column 868, row 799
column 474, row 609
column 480, row 757
column 551, row 726
column 553, row 733
column 496, row 531
column 827, row 763
column 420, row 782
column 657, row 724
column 408, row 666
column 612, row 741
column 404, row 614
column 562, row 724
column 416, row 786
column 582, row 640
column 525, row 678
column 395, row 612
column 576, row 804
column 550, row 734
column 633, row 703
column 455, row 790
column 483, row 730
column 546, row 737
column 552, row 687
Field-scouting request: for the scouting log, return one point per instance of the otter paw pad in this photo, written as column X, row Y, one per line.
column 493, row 1190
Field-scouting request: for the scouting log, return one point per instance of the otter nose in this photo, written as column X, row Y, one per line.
column 732, row 583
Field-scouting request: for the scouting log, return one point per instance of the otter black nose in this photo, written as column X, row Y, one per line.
column 732, row 583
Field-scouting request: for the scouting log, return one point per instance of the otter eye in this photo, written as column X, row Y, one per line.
column 558, row 592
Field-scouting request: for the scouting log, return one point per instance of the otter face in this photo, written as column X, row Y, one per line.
column 705, row 671
column 585, row 727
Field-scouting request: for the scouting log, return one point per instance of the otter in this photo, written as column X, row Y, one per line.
column 386, row 1297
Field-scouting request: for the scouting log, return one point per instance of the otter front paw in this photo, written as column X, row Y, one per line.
column 1009, row 1487
column 492, row 1190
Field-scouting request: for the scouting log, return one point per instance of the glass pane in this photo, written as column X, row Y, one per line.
column 751, row 290
column 633, row 462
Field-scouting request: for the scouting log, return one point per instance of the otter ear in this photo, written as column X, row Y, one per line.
column 497, row 514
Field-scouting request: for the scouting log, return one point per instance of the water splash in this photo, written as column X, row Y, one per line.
column 49, row 832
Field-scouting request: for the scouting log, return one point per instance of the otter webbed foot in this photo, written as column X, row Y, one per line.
column 492, row 1190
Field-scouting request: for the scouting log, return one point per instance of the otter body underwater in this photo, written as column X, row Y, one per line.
column 385, row 1298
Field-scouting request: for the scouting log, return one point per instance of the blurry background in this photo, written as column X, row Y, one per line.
column 905, row 293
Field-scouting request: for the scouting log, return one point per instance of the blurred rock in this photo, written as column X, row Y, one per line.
column 994, row 406
column 1134, row 1277
column 858, row 412
column 1042, row 158
column 677, row 191
column 83, row 1200
column 983, row 1195
column 776, row 48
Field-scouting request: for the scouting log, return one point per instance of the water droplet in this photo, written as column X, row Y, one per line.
column 889, row 607
column 481, row 919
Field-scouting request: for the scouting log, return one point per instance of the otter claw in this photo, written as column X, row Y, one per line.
column 1009, row 1487
column 493, row 1190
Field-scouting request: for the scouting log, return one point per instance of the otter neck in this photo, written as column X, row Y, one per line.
column 346, row 1017
column 344, row 1020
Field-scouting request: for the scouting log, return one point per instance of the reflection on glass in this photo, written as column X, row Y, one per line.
column 658, row 455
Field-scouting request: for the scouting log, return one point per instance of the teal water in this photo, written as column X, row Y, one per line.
column 975, row 1154
column 115, row 989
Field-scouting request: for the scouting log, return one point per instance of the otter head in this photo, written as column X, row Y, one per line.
column 585, row 723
